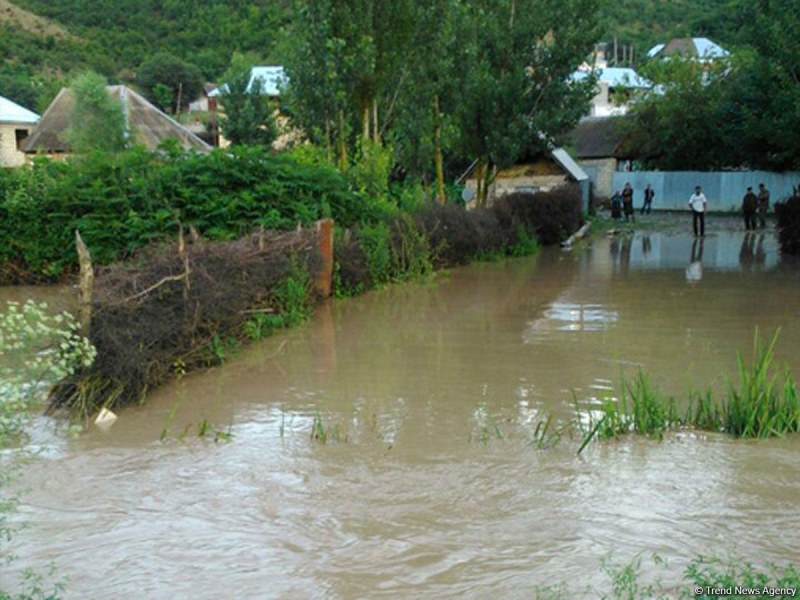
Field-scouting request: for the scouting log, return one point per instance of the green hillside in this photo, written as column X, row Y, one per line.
column 113, row 37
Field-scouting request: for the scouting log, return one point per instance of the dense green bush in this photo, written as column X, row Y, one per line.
column 788, row 215
column 372, row 255
column 121, row 202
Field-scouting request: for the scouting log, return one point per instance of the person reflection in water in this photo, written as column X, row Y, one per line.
column 646, row 245
column 761, row 256
column 746, row 257
column 694, row 272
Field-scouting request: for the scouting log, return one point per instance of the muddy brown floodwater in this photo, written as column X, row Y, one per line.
column 408, row 498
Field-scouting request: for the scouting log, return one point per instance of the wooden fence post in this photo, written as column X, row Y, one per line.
column 86, row 284
column 324, row 281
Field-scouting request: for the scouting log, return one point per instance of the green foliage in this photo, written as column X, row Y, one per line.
column 762, row 405
column 36, row 349
column 249, row 115
column 787, row 214
column 735, row 113
column 96, row 121
column 120, row 203
column 370, row 172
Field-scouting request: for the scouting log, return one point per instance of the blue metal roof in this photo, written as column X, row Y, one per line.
column 271, row 79
column 615, row 77
column 11, row 112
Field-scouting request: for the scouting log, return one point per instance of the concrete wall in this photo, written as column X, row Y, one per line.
column 724, row 190
column 9, row 155
column 601, row 172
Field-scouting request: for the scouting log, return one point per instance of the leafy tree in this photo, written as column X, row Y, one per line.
column 249, row 114
column 96, row 121
column 515, row 87
column 343, row 66
column 170, row 82
column 679, row 126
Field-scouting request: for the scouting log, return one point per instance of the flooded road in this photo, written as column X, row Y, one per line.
column 410, row 496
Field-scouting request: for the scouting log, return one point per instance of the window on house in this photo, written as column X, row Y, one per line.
column 21, row 135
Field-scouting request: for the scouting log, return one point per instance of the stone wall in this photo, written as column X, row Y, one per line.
column 10, row 156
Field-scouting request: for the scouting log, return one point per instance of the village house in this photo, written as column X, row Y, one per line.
column 541, row 173
column 616, row 85
column 16, row 124
column 145, row 125
column 267, row 81
column 598, row 145
column 700, row 49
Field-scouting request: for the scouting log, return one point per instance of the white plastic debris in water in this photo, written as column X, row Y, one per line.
column 105, row 418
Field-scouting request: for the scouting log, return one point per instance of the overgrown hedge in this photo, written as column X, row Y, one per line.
column 788, row 217
column 444, row 236
column 123, row 202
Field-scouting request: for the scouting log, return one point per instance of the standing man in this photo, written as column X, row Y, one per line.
column 627, row 202
column 648, row 199
column 699, row 205
column 749, row 205
column 763, row 205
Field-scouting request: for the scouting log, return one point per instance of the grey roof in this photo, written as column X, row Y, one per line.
column 567, row 163
column 700, row 48
column 13, row 113
column 146, row 124
column 598, row 137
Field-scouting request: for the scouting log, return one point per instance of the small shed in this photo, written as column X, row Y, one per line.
column 16, row 124
column 539, row 174
column 145, row 124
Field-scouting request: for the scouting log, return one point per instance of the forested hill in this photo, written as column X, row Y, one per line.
column 43, row 40
column 644, row 23
column 113, row 37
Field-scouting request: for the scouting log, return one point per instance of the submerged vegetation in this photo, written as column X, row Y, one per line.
column 763, row 404
column 36, row 349
column 736, row 577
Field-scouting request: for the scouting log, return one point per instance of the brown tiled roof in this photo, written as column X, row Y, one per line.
column 146, row 124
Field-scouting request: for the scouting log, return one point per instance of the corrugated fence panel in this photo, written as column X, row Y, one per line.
column 724, row 190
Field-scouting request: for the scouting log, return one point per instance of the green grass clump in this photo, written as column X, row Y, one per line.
column 763, row 404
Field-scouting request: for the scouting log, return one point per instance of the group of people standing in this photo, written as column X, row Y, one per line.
column 622, row 203
column 752, row 205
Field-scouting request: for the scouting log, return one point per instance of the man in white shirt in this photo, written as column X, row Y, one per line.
column 699, row 205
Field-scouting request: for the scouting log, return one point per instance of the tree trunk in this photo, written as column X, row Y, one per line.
column 479, row 170
column 376, row 132
column 365, row 121
column 437, row 149
column 342, row 143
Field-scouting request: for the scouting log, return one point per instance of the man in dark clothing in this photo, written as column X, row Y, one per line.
column 627, row 202
column 648, row 199
column 763, row 205
column 749, row 205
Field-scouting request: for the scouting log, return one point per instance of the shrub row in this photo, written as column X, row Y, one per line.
column 788, row 217
column 403, row 247
column 123, row 202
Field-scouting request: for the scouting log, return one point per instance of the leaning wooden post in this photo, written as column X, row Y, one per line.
column 185, row 257
column 86, row 284
column 324, row 282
